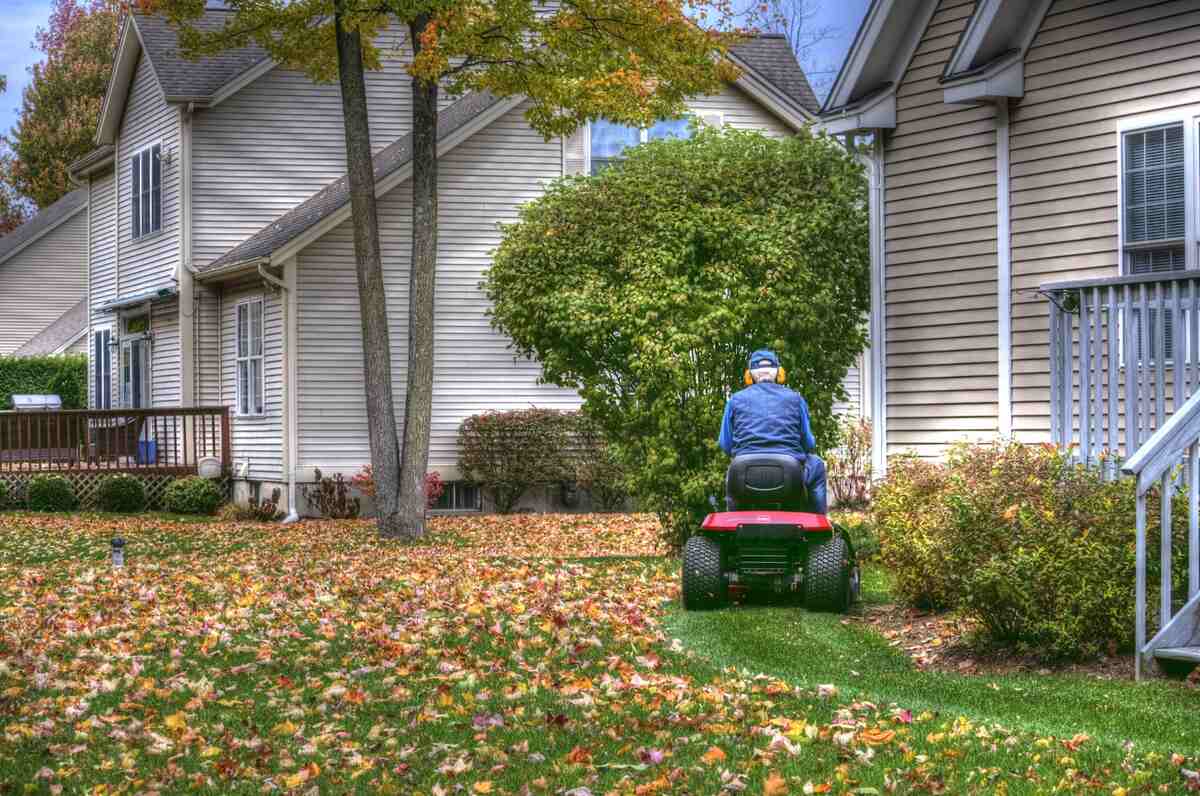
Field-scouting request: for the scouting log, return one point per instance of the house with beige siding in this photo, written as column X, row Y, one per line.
column 221, row 257
column 1034, row 183
column 43, row 278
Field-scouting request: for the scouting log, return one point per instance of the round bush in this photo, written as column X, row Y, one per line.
column 123, row 494
column 51, row 493
column 1035, row 548
column 3, row 495
column 192, row 495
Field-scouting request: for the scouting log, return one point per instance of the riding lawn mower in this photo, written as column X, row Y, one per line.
column 769, row 541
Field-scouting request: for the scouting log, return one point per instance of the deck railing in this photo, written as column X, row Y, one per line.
column 160, row 440
column 1124, row 353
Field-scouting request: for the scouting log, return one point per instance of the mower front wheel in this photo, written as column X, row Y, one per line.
column 827, row 584
column 703, row 585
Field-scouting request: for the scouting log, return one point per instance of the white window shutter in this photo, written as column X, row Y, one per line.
column 575, row 152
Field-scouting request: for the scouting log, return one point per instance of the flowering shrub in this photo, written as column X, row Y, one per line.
column 506, row 453
column 364, row 482
column 1037, row 549
column 849, row 464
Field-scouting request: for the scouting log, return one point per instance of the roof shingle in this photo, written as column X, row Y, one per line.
column 770, row 55
column 182, row 78
column 69, row 326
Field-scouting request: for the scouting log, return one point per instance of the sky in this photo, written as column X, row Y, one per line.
column 19, row 19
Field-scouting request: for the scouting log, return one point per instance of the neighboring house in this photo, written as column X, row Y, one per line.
column 222, row 260
column 1015, row 144
column 43, row 277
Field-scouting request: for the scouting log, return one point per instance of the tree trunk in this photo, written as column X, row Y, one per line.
column 372, row 298
column 418, row 402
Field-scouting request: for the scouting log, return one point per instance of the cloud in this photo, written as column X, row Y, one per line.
column 21, row 19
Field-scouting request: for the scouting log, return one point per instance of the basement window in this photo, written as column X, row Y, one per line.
column 459, row 496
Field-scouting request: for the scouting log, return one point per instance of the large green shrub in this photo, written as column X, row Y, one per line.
column 1037, row 549
column 645, row 287
column 63, row 375
column 121, row 493
column 51, row 493
column 3, row 495
column 507, row 453
column 192, row 495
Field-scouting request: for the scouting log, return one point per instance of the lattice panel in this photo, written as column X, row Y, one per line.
column 88, row 483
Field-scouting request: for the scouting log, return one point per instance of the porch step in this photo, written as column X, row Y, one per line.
column 1190, row 654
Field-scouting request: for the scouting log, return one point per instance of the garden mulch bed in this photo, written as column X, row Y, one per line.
column 940, row 642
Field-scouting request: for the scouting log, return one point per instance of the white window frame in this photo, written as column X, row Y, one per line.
column 1189, row 117
column 711, row 118
column 239, row 359
column 135, row 198
column 102, row 390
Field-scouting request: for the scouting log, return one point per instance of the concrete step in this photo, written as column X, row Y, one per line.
column 1191, row 654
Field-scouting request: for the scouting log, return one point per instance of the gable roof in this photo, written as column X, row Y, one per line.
column 54, row 338
column 185, row 80
column 44, row 222
column 771, row 56
column 996, row 29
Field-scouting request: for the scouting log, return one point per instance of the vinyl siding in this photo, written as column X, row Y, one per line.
column 940, row 241
column 151, row 260
column 42, row 281
column 1088, row 68
column 165, row 355
column 257, row 440
column 277, row 142
column 207, row 337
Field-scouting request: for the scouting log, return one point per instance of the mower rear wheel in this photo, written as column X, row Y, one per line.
column 703, row 586
column 827, row 576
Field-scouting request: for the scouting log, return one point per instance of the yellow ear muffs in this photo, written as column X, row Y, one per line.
column 781, row 376
column 748, row 379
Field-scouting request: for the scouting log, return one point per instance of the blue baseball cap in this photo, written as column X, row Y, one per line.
column 763, row 358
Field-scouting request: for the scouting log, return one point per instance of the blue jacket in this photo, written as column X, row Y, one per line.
column 766, row 418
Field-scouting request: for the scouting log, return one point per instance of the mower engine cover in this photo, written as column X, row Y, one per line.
column 732, row 520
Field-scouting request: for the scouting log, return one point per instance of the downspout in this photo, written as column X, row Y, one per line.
column 289, row 397
column 878, row 353
column 1003, row 270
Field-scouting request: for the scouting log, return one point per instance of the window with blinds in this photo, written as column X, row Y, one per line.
column 1154, row 221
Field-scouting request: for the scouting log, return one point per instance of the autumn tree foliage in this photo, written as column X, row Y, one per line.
column 630, row 61
column 61, row 104
column 646, row 287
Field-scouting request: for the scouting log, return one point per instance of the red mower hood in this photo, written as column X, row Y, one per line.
column 730, row 520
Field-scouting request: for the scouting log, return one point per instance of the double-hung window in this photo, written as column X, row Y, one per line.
column 250, row 357
column 607, row 141
column 1158, row 206
column 145, row 191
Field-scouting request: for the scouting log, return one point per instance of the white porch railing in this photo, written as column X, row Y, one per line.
column 1110, row 388
column 1154, row 464
column 1125, row 386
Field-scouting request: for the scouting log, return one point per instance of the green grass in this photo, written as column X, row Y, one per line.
column 807, row 649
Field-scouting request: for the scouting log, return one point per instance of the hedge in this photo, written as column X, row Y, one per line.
column 64, row 375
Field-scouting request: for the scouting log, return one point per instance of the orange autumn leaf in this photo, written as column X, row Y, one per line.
column 774, row 785
column 877, row 737
column 714, row 755
column 579, row 755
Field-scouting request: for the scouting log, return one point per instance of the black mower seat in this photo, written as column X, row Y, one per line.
column 766, row 481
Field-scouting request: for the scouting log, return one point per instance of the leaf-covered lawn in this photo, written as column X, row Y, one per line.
column 523, row 654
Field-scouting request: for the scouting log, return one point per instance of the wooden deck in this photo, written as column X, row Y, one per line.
column 151, row 441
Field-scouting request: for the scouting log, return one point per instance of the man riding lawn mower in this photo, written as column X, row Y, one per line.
column 775, row 535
